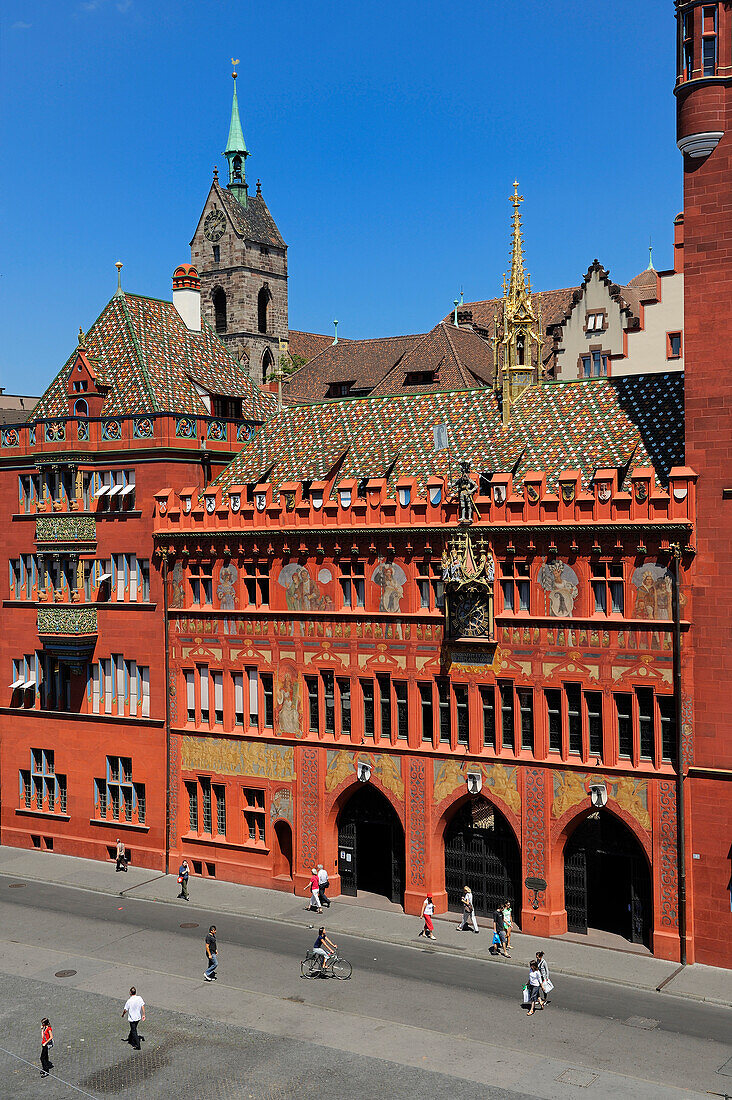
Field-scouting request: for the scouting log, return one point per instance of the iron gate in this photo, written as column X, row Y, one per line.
column 481, row 852
column 575, row 890
column 347, row 857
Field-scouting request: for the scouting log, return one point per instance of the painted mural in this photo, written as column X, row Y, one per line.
column 281, row 804
column 561, row 585
column 248, row 758
column 572, row 788
column 302, row 592
column 226, row 590
column 342, row 764
column 391, row 579
column 502, row 781
column 288, row 708
column 654, row 592
column 177, row 592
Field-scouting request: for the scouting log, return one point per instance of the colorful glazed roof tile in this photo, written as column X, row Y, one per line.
column 150, row 361
column 586, row 425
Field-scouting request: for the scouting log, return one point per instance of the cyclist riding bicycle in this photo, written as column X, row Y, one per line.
column 324, row 948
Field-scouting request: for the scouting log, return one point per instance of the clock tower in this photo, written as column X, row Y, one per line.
column 242, row 261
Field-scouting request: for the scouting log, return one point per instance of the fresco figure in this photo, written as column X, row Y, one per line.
column 288, row 705
column 561, row 585
column 177, row 594
column 391, row 579
column 654, row 586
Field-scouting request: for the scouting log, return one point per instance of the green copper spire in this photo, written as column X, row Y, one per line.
column 236, row 151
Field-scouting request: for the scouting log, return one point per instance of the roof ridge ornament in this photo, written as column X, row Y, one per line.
column 118, row 292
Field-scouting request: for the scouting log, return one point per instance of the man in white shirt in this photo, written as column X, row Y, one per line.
column 323, row 885
column 134, row 1010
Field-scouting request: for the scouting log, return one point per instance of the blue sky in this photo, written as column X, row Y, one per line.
column 386, row 135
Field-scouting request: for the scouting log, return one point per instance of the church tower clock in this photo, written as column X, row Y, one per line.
column 242, row 261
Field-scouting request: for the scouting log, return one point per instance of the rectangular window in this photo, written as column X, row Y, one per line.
column 217, row 679
column 624, row 709
column 689, row 46
column 586, row 366
column 203, row 688
column 593, row 702
column 554, row 718
column 428, row 721
column 367, row 693
column 311, row 682
column 515, row 584
column 192, row 789
column 507, row 723
column 26, row 789
column 201, row 578
column 267, row 699
column 238, row 680
column 673, row 345
column 254, row 815
column 402, row 709
column 344, row 693
column 385, row 705
column 220, row 796
column 443, row 693
column 526, row 712
column 574, row 717
column 461, row 712
column 709, row 40
column 206, row 815
column 488, row 702
column 353, row 585
column 667, row 714
column 253, row 678
column 329, row 701
column 645, row 721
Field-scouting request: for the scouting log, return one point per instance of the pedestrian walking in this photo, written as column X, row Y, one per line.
column 499, row 929
column 46, row 1044
column 134, row 1010
column 212, row 955
column 547, row 985
column 183, row 873
column 121, row 856
column 428, row 908
column 314, row 888
column 468, row 911
column 323, row 885
column 507, row 923
column 534, row 987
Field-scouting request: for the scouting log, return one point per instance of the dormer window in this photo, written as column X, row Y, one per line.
column 79, row 385
column 80, row 407
column 419, row 378
column 228, row 407
column 339, row 389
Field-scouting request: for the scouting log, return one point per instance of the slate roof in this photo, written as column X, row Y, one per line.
column 457, row 358
column 588, row 424
column 252, row 222
column 148, row 358
column 363, row 362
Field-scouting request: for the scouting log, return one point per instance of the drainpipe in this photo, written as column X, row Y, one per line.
column 680, row 807
column 167, row 715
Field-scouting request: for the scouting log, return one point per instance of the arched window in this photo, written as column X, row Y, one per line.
column 263, row 299
column 267, row 364
column 219, row 304
column 520, row 348
column 237, row 168
column 80, row 407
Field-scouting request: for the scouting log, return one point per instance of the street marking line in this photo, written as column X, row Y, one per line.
column 54, row 1075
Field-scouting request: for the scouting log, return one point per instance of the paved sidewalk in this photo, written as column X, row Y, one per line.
column 704, row 983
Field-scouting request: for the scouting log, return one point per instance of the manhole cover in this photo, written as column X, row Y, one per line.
column 641, row 1021
column 581, row 1078
column 65, row 973
column 17, row 885
column 726, row 1069
column 189, row 924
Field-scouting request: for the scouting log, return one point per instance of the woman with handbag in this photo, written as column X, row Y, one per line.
column 546, row 984
column 46, row 1044
column 534, row 987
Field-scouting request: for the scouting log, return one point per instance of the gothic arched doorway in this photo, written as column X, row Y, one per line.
column 371, row 846
column 481, row 852
column 607, row 882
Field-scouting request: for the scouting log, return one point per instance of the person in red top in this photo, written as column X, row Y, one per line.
column 314, row 888
column 46, row 1044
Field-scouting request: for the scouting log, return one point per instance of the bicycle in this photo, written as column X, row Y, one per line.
column 334, row 966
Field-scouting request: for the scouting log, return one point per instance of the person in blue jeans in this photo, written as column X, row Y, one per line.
column 212, row 955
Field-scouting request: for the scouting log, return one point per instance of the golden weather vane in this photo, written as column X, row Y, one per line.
column 234, row 62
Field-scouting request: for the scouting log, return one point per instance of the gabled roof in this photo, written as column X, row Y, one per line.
column 553, row 305
column 455, row 358
column 149, row 360
column 252, row 222
column 628, row 422
column 362, row 362
column 309, row 344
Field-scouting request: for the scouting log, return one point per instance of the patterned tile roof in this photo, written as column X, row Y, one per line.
column 623, row 422
column 149, row 360
column 455, row 359
column 362, row 362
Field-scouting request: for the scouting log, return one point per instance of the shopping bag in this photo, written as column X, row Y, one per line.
column 548, row 986
column 526, row 994
column 496, row 940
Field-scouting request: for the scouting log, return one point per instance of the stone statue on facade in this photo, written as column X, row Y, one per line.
column 464, row 489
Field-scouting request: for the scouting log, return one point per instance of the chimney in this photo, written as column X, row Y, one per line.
column 187, row 296
column 679, row 242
